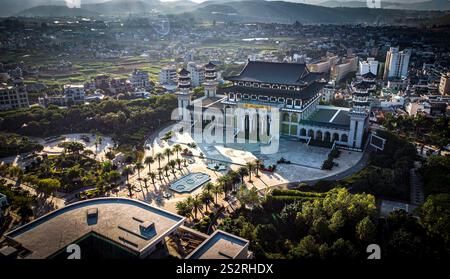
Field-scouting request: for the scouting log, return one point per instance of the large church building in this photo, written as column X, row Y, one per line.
column 291, row 91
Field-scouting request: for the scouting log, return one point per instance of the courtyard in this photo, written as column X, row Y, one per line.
column 305, row 165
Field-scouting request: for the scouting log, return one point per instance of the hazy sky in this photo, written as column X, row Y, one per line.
column 318, row 1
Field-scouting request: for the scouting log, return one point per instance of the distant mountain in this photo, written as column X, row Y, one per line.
column 240, row 11
column 122, row 7
column 55, row 11
column 289, row 12
column 347, row 4
column 432, row 5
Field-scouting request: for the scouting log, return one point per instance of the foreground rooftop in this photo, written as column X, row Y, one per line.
column 221, row 245
column 130, row 224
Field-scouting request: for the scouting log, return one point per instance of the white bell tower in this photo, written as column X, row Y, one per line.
column 184, row 94
column 210, row 83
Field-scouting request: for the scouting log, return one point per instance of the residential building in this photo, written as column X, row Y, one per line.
column 72, row 94
column 370, row 65
column 444, row 85
column 13, row 96
column 196, row 73
column 397, row 63
column 343, row 69
column 168, row 75
column 140, row 79
column 102, row 82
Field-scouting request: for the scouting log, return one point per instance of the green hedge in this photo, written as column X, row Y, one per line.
column 297, row 193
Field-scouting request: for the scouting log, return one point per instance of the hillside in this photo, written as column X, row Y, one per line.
column 55, row 11
column 432, row 5
column 288, row 12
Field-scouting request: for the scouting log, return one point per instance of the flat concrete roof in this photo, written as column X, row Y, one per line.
column 118, row 219
column 330, row 116
column 220, row 245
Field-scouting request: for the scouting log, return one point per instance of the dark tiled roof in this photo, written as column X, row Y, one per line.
column 184, row 72
column 369, row 75
column 362, row 85
column 274, row 72
column 305, row 94
column 210, row 65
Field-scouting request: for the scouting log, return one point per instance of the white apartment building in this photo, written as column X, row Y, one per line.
column 397, row 63
column 13, row 96
column 72, row 94
column 197, row 74
column 140, row 79
column 370, row 65
column 168, row 75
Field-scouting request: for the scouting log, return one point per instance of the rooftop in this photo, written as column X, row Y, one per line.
column 305, row 94
column 220, row 245
column 129, row 223
column 274, row 72
column 331, row 116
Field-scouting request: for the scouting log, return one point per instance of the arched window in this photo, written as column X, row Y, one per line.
column 335, row 137
column 303, row 132
column 319, row 135
column 344, row 138
column 327, row 137
column 286, row 117
column 294, row 118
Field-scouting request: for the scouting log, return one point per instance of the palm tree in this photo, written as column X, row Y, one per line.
column 183, row 208
column 172, row 165
column 197, row 205
column 208, row 187
column 225, row 182
column 159, row 157
column 189, row 204
column 149, row 161
column 130, row 194
column 242, row 172
column 139, row 166
column 178, row 161
column 258, row 164
column 185, row 163
column 250, row 167
column 206, row 198
column 152, row 176
column 166, row 169
column 126, row 172
column 159, row 174
column 177, row 148
column 168, row 152
column 145, row 183
column 217, row 190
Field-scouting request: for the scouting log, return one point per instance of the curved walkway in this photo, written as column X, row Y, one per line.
column 362, row 163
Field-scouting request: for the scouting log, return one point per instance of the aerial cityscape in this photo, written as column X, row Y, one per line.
column 147, row 129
